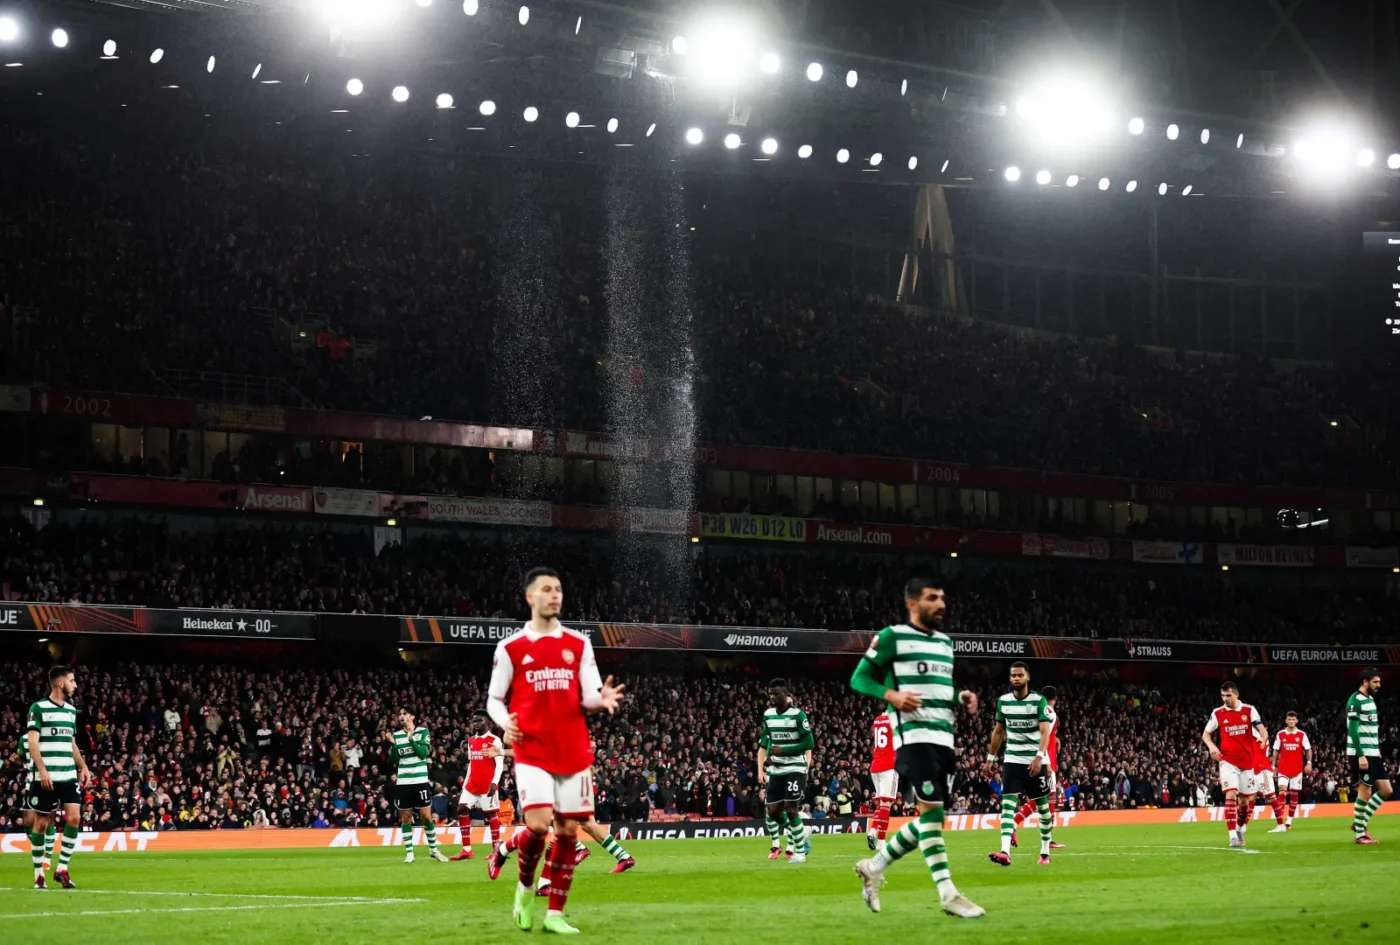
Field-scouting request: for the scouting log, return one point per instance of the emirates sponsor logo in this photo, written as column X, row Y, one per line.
column 753, row 639
column 546, row 680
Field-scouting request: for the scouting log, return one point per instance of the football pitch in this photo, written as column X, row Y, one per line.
column 1169, row 883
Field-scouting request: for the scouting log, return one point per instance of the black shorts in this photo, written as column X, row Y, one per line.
column 1017, row 779
column 1375, row 771
column 785, row 789
column 42, row 801
column 926, row 772
column 412, row 796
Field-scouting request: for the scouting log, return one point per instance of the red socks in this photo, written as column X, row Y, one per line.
column 1246, row 811
column 1232, row 812
column 1280, row 808
column 1027, row 808
column 561, row 871
column 493, row 827
column 529, row 845
column 1292, row 803
column 880, row 820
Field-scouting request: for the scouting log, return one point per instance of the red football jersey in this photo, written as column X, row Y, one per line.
column 483, row 770
column 1261, row 757
column 1290, row 747
column 883, row 758
column 1237, row 737
column 541, row 677
column 1054, row 740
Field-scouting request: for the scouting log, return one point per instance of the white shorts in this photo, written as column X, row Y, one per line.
column 1264, row 781
column 1294, row 783
column 1053, row 780
column 569, row 795
column 1235, row 779
column 886, row 782
column 486, row 803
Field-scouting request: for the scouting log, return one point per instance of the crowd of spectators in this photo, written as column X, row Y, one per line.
column 651, row 580
column 120, row 263
column 227, row 747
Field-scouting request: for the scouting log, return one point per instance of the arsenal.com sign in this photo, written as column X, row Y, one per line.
column 274, row 499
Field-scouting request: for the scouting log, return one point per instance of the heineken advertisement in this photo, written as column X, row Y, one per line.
column 43, row 619
column 91, row 618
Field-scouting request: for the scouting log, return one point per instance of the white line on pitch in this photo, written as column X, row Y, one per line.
column 377, row 900
column 284, row 905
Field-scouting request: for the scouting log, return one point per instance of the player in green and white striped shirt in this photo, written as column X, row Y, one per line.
column 57, row 773
column 910, row 666
column 411, row 748
column 1368, row 773
column 1023, row 725
column 784, row 757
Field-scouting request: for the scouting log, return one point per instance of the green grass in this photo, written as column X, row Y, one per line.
column 1173, row 883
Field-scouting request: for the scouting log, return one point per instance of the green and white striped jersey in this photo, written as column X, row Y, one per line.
column 411, row 753
column 787, row 737
column 57, row 726
column 1363, row 726
column 1021, row 718
column 912, row 660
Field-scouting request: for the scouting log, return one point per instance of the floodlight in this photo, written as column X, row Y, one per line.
column 1042, row 177
column 354, row 86
column 843, row 155
column 487, row 108
column 804, row 152
column 531, row 113
column 157, row 55
column 814, row 72
column 1072, row 180
column 571, row 120
column 59, row 37
column 1136, row 126
column 913, row 162
column 852, row 77
column 1065, row 110
column 444, row 100
column 769, row 146
column 721, row 52
column 769, row 63
column 400, row 93
column 731, row 141
column 1105, row 183
column 1012, row 174
column 1173, row 131
column 694, row 136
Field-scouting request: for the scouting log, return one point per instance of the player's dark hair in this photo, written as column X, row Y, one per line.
column 534, row 573
column 484, row 716
column 58, row 672
column 1369, row 673
column 1020, row 665
column 1229, row 686
column 914, row 587
column 1291, row 712
column 778, row 684
column 1048, row 692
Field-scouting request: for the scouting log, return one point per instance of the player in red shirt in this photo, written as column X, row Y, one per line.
column 1239, row 727
column 1293, row 755
column 884, row 777
column 543, row 680
column 1028, row 807
column 1264, row 781
column 481, row 787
